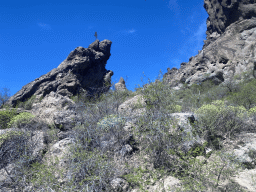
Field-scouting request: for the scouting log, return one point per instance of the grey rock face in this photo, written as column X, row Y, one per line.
column 84, row 69
column 223, row 13
column 58, row 110
column 119, row 184
column 60, row 150
column 120, row 85
column 184, row 124
column 230, row 48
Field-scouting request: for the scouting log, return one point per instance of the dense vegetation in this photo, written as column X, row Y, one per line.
column 221, row 112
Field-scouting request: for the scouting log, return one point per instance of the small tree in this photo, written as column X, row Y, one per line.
column 4, row 96
column 95, row 35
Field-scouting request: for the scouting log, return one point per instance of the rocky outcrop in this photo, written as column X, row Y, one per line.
column 222, row 13
column 83, row 70
column 184, row 121
column 120, row 85
column 230, row 48
column 56, row 110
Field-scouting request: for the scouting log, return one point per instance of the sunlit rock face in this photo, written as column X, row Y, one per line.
column 230, row 48
column 222, row 13
column 83, row 70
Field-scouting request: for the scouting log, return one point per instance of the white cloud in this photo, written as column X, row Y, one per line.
column 200, row 33
column 44, row 26
column 175, row 62
column 174, row 6
column 194, row 41
column 125, row 32
column 131, row 31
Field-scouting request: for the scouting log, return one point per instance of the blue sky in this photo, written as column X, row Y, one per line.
column 36, row 36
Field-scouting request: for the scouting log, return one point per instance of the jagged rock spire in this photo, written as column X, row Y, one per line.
column 120, row 85
column 84, row 69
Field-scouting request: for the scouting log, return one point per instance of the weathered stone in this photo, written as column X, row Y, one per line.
column 84, row 69
column 126, row 149
column 133, row 106
column 57, row 110
column 119, row 184
column 229, row 49
column 120, row 85
column 184, row 121
column 167, row 184
column 222, row 13
column 59, row 150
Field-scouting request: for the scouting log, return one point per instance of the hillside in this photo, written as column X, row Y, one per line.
column 192, row 130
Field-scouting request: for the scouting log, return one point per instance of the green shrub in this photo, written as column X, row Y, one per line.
column 21, row 119
column 159, row 97
column 109, row 121
column 27, row 104
column 252, row 111
column 196, row 95
column 40, row 99
column 245, row 96
column 4, row 97
column 200, row 175
column 8, row 135
column 5, row 117
column 219, row 119
column 43, row 176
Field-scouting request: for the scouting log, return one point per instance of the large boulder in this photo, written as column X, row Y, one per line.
column 184, row 126
column 133, row 107
column 57, row 110
column 57, row 155
column 229, row 49
column 53, row 110
column 83, row 70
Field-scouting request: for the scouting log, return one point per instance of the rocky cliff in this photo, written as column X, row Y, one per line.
column 83, row 70
column 230, row 48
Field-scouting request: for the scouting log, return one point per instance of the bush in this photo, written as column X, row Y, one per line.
column 5, row 117
column 91, row 166
column 94, row 159
column 27, row 104
column 8, row 135
column 110, row 121
column 196, row 95
column 159, row 97
column 218, row 120
column 20, row 120
column 4, row 97
column 201, row 175
column 245, row 96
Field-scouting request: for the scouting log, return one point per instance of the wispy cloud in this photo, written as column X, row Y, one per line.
column 175, row 62
column 129, row 31
column 44, row 26
column 194, row 41
column 124, row 32
column 174, row 6
column 200, row 33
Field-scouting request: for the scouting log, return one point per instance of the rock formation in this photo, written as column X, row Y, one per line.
column 120, row 85
column 83, row 70
column 230, row 48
